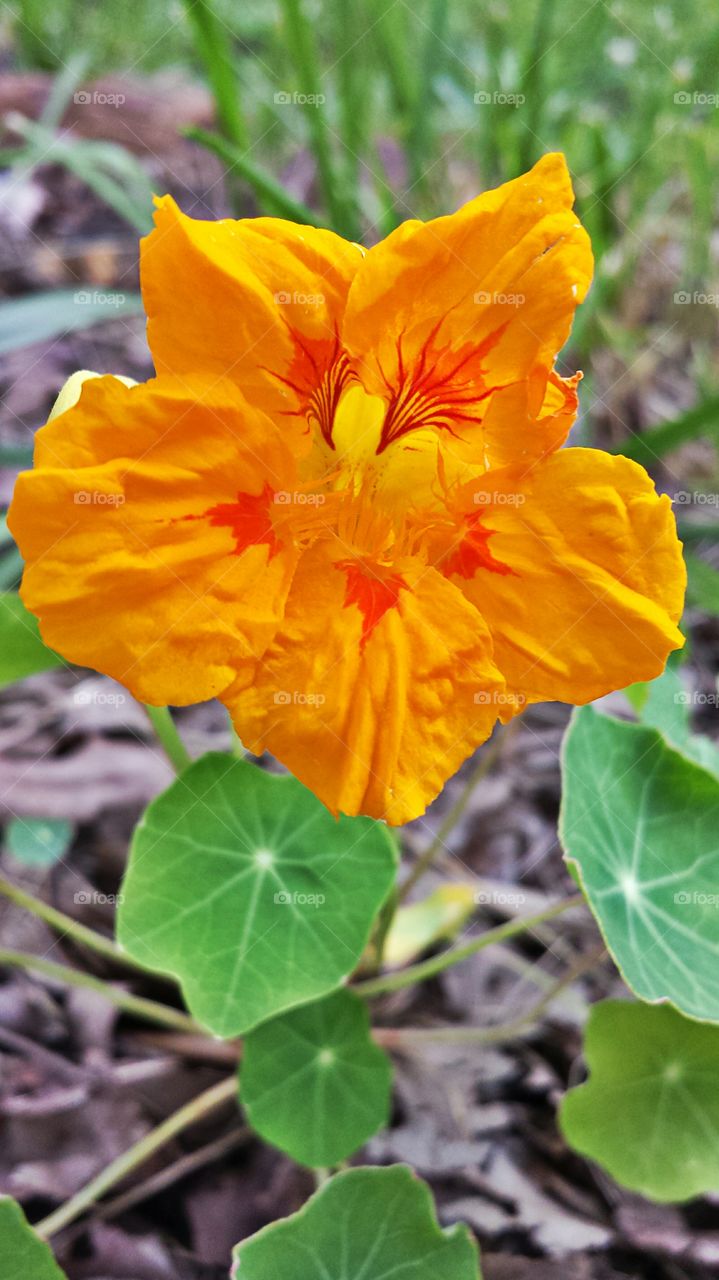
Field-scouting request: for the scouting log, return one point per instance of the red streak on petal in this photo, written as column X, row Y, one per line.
column 373, row 594
column 249, row 519
column 472, row 552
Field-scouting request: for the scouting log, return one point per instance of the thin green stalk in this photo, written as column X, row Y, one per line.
column 437, row 964
column 170, row 740
column 137, row 1155
column 265, row 187
column 215, row 49
column 65, row 925
column 397, row 1037
column 353, row 76
column 384, row 923
column 486, row 762
column 148, row 1010
column 532, row 80
column 420, row 131
column 390, row 27
column 302, row 45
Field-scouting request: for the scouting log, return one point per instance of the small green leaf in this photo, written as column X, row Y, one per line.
column 666, row 706
column 245, row 888
column 649, row 1113
column 373, row 1223
column 639, row 823
column 38, row 842
column 41, row 316
column 439, row 916
column 22, row 652
column 23, row 1256
column 314, row 1083
column 702, row 420
column 702, row 584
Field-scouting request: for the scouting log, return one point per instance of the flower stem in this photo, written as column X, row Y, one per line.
column 166, row 730
column 398, row 1037
column 141, row 1151
column 66, row 925
column 445, row 960
column 214, row 45
column 302, row 44
column 486, row 762
column 268, row 191
column 148, row 1010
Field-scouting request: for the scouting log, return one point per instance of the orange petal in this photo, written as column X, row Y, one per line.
column 257, row 300
column 442, row 316
column 372, row 699
column 597, row 582
column 126, row 568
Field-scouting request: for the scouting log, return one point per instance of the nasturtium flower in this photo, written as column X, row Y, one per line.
column 342, row 506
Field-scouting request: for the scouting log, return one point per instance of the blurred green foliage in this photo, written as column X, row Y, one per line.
column 471, row 94
column 410, row 109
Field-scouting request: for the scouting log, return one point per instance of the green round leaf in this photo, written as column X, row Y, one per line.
column 665, row 704
column 22, row 652
column 23, row 1256
column 649, row 1112
column 369, row 1223
column 314, row 1083
column 38, row 842
column 245, row 888
column 639, row 822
